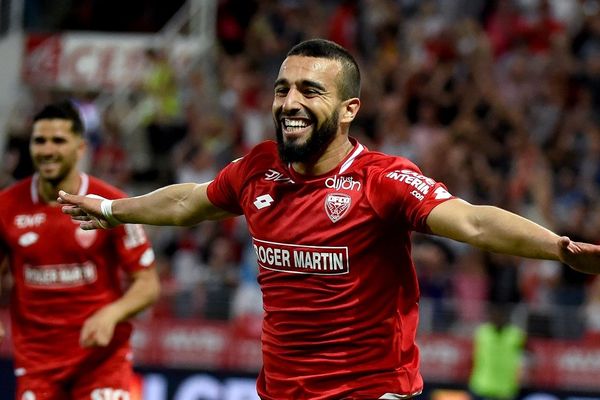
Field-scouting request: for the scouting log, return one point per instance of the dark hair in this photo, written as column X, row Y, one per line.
column 349, row 82
column 62, row 110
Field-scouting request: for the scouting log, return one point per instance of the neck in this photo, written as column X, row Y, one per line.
column 331, row 158
column 48, row 190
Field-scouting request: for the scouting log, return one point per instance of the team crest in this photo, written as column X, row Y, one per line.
column 85, row 238
column 337, row 205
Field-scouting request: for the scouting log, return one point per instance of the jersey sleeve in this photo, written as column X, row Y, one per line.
column 134, row 250
column 224, row 191
column 401, row 193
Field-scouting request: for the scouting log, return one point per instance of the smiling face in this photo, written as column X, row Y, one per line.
column 55, row 149
column 306, row 107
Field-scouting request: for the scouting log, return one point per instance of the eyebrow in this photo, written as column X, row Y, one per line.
column 43, row 137
column 303, row 83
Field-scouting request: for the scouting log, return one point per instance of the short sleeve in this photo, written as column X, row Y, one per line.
column 402, row 194
column 133, row 247
column 224, row 190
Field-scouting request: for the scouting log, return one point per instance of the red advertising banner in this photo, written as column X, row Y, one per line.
column 445, row 358
column 41, row 59
column 225, row 346
column 80, row 61
column 558, row 364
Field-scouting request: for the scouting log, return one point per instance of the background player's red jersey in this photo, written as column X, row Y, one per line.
column 63, row 274
column 339, row 288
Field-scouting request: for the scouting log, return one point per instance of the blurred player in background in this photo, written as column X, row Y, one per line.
column 331, row 223
column 68, row 303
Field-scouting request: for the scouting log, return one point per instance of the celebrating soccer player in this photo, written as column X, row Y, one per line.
column 331, row 223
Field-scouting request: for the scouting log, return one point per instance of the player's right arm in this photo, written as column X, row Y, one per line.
column 182, row 204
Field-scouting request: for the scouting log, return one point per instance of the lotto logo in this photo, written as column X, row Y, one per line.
column 109, row 394
column 263, row 201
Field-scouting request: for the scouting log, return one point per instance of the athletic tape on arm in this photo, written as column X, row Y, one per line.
column 106, row 210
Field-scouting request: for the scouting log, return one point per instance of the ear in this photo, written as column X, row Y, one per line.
column 349, row 110
column 81, row 148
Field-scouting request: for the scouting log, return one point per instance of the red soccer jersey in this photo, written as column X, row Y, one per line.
column 62, row 274
column 339, row 286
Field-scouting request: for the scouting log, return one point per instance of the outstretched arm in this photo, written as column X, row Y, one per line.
column 179, row 205
column 500, row 231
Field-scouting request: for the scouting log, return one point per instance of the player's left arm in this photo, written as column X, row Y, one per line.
column 143, row 291
column 494, row 229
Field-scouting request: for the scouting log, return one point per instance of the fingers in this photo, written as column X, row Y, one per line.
column 91, row 225
column 74, row 206
column 66, row 198
column 97, row 223
column 86, row 337
column 572, row 247
column 86, row 342
column 564, row 242
column 73, row 211
column 93, row 338
column 568, row 245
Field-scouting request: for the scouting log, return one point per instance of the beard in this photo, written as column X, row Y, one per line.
column 55, row 176
column 313, row 147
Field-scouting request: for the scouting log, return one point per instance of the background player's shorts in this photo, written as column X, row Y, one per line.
column 106, row 378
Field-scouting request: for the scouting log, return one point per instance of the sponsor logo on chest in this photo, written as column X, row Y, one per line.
column 342, row 183
column 23, row 221
column 302, row 259
column 59, row 276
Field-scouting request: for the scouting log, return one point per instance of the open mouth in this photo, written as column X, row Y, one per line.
column 48, row 165
column 295, row 126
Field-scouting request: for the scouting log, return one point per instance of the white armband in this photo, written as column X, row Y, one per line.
column 106, row 208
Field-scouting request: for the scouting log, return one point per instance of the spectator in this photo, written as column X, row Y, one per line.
column 498, row 351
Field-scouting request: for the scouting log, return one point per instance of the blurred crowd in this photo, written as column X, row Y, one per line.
column 500, row 100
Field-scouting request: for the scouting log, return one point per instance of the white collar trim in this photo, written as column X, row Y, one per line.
column 35, row 195
column 350, row 159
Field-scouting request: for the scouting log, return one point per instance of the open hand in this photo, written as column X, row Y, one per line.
column 85, row 209
column 581, row 256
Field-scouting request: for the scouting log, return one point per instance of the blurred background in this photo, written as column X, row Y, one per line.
column 499, row 99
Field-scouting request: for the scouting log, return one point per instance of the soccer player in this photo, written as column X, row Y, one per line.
column 331, row 223
column 70, row 302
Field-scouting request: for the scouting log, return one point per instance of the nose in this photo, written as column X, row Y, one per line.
column 291, row 102
column 45, row 148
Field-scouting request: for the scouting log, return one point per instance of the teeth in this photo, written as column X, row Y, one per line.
column 295, row 123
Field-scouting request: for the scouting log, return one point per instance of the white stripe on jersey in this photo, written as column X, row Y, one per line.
column 350, row 160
